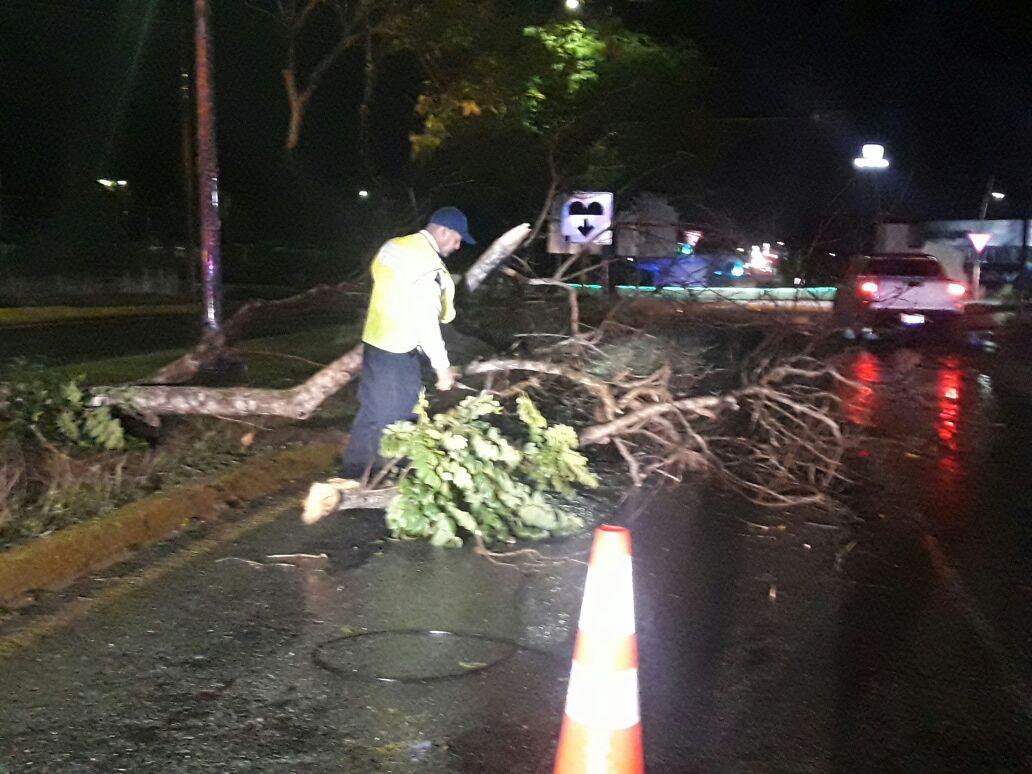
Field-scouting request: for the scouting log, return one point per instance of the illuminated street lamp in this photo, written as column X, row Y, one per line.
column 363, row 194
column 991, row 195
column 872, row 156
column 572, row 5
column 120, row 189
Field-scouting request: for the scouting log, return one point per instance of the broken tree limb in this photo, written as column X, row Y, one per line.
column 295, row 403
column 342, row 494
column 703, row 405
column 595, row 386
column 493, row 256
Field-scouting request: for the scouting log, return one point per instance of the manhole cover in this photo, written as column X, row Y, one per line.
column 412, row 655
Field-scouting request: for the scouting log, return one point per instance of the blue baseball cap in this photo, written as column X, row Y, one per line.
column 455, row 219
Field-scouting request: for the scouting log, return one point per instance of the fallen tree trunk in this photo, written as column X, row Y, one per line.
column 295, row 403
column 161, row 395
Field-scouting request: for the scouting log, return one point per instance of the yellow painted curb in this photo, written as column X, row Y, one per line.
column 55, row 561
column 37, row 315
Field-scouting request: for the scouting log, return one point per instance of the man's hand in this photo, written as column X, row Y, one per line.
column 446, row 378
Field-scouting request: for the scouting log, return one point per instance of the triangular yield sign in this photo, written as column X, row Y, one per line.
column 979, row 240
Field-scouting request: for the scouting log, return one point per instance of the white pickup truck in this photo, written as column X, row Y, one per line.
column 896, row 290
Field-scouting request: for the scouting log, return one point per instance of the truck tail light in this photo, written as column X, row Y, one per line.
column 869, row 289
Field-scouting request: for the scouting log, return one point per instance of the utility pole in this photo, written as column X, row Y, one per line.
column 187, row 153
column 207, row 174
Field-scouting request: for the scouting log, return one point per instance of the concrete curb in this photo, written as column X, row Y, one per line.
column 55, row 561
column 40, row 315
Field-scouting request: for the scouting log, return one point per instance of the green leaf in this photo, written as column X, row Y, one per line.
column 444, row 535
column 71, row 393
column 529, row 414
column 68, row 425
column 541, row 516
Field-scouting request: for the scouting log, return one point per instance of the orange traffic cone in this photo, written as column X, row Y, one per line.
column 601, row 731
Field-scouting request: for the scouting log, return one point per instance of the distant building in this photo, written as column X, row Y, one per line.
column 648, row 228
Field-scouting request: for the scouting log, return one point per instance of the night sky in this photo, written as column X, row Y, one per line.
column 89, row 89
column 946, row 86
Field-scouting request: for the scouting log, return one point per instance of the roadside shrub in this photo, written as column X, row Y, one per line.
column 464, row 477
column 41, row 405
column 44, row 488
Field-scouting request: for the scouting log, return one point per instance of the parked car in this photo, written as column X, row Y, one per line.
column 896, row 290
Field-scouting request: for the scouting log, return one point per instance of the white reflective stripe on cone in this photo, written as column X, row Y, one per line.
column 608, row 607
column 601, row 699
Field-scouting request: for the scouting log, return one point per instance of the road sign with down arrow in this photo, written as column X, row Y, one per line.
column 587, row 218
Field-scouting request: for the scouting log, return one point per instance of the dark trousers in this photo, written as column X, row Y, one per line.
column 387, row 393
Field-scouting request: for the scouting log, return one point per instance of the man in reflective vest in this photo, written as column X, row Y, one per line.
column 413, row 294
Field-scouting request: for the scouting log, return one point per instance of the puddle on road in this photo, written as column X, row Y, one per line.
column 412, row 655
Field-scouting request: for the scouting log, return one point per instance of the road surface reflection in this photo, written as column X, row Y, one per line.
column 930, row 405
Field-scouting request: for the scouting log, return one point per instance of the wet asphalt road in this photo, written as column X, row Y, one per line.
column 900, row 644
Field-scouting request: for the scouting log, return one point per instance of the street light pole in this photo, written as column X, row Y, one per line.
column 872, row 159
column 208, row 174
column 976, row 261
column 985, row 199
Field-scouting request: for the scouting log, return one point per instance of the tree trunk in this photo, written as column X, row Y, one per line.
column 296, row 403
column 296, row 102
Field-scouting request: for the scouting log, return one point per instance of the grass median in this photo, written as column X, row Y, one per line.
column 45, row 488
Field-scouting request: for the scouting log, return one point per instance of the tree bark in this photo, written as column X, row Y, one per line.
column 595, row 386
column 296, row 403
column 296, row 102
column 362, row 499
column 706, row 405
column 297, row 97
column 494, row 255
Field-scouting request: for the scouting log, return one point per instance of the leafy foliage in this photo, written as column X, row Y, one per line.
column 591, row 103
column 38, row 403
column 465, row 476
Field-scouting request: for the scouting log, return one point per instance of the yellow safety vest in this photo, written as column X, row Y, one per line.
column 393, row 322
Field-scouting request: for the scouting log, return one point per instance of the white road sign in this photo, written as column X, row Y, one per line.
column 587, row 218
column 979, row 240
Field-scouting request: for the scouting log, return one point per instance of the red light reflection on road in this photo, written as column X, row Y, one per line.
column 859, row 402
column 948, row 384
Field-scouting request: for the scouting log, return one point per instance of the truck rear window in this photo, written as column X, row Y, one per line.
column 902, row 267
